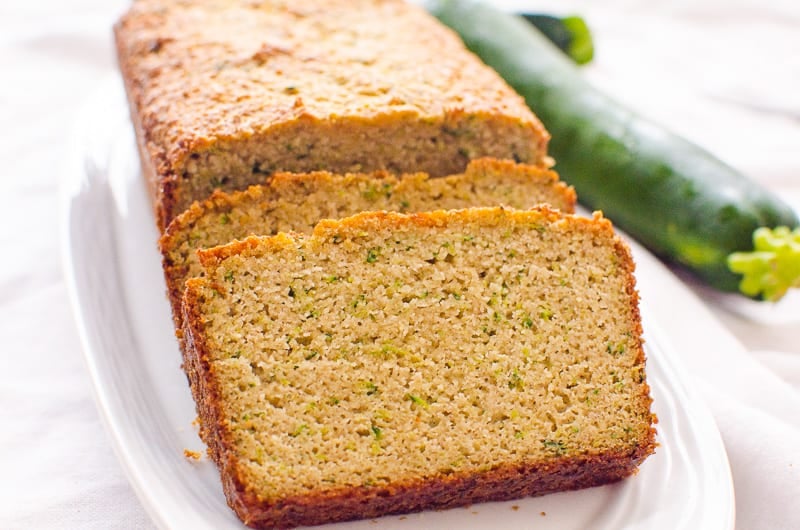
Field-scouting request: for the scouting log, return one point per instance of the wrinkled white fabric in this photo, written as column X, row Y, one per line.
column 723, row 73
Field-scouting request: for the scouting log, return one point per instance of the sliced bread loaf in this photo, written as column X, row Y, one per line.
column 223, row 93
column 389, row 363
column 297, row 202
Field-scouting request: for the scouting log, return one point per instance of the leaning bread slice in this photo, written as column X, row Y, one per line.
column 223, row 93
column 297, row 202
column 390, row 363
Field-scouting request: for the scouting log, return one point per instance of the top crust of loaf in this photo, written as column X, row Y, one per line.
column 169, row 49
column 208, row 79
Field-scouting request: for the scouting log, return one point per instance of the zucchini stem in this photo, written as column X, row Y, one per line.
column 773, row 267
column 571, row 34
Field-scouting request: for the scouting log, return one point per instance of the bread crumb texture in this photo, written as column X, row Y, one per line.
column 297, row 202
column 226, row 92
column 387, row 350
column 193, row 455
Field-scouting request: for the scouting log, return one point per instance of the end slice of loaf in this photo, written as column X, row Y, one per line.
column 389, row 363
column 297, row 202
column 223, row 93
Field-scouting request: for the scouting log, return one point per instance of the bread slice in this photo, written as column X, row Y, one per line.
column 223, row 93
column 390, row 363
column 297, row 202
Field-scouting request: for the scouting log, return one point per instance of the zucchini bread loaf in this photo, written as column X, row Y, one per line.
column 224, row 92
column 297, row 202
column 392, row 362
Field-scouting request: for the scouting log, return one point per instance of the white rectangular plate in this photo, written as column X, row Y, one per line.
column 118, row 294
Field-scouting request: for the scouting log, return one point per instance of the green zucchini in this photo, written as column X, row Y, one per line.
column 680, row 201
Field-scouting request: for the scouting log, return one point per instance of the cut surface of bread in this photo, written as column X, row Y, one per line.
column 389, row 363
column 225, row 92
column 297, row 202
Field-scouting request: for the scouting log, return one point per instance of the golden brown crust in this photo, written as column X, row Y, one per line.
column 206, row 394
column 526, row 478
column 623, row 251
column 147, row 151
column 510, row 482
column 214, row 87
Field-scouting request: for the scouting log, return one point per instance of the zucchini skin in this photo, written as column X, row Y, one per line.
column 677, row 199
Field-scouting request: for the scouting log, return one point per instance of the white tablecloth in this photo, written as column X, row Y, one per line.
column 726, row 74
